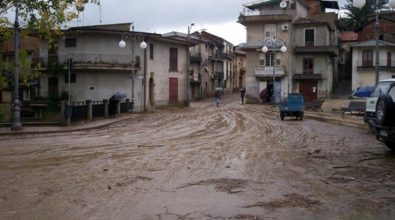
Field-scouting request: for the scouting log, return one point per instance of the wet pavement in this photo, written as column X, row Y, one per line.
column 235, row 162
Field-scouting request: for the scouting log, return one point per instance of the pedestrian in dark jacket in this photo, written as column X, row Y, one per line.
column 242, row 95
column 112, row 107
column 217, row 98
column 263, row 95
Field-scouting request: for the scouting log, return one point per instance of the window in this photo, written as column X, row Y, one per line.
column 270, row 30
column 73, row 78
column 309, row 37
column 173, row 55
column 308, row 65
column 70, row 42
column 151, row 51
column 367, row 58
column 138, row 62
column 269, row 57
column 381, row 88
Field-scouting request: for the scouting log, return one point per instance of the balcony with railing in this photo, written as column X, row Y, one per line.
column 247, row 15
column 267, row 71
column 311, row 47
column 196, row 79
column 309, row 74
column 217, row 75
column 218, row 56
column 196, row 57
column 92, row 61
column 384, row 64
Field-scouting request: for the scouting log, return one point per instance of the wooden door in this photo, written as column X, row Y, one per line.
column 173, row 90
column 309, row 90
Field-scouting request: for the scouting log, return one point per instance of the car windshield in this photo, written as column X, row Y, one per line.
column 381, row 88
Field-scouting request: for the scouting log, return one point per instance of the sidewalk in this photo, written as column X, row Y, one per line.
column 76, row 126
column 327, row 115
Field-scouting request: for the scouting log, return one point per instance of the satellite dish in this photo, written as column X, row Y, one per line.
column 283, row 4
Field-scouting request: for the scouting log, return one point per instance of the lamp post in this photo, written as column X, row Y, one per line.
column 16, row 122
column 360, row 4
column 143, row 45
column 274, row 45
column 188, row 62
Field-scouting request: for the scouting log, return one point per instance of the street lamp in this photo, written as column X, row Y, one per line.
column 360, row 4
column 188, row 62
column 274, row 45
column 143, row 45
column 16, row 122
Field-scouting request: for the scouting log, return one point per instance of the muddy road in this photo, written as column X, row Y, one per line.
column 236, row 162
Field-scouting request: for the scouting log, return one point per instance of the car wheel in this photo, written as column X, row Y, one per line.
column 383, row 110
column 282, row 116
column 390, row 145
column 301, row 116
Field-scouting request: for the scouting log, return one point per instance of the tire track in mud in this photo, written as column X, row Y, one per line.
column 153, row 156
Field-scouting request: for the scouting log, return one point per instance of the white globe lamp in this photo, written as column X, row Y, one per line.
column 122, row 44
column 265, row 49
column 143, row 45
column 359, row 3
column 283, row 49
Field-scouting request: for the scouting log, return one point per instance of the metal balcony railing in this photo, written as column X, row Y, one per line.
column 383, row 63
column 267, row 71
column 247, row 12
column 86, row 58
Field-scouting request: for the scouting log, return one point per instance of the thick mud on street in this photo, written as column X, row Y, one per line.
column 235, row 162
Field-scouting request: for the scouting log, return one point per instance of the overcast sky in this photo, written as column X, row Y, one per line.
column 218, row 17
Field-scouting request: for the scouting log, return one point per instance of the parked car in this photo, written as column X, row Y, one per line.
column 384, row 122
column 292, row 106
column 381, row 88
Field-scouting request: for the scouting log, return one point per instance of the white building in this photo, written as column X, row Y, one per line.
column 156, row 76
column 364, row 60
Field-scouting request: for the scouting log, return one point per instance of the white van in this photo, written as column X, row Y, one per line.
column 381, row 87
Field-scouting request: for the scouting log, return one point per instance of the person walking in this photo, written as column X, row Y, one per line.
column 264, row 96
column 242, row 95
column 217, row 99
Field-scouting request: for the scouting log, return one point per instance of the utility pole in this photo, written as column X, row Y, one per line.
column 377, row 30
column 188, row 63
column 16, row 123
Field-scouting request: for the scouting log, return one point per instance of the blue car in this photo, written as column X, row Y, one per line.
column 293, row 106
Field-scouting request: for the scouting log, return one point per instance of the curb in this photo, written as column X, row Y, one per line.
column 339, row 122
column 65, row 129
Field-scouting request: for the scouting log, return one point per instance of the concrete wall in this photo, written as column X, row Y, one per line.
column 321, row 36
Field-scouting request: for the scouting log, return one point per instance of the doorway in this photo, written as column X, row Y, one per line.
column 173, row 90
column 309, row 90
